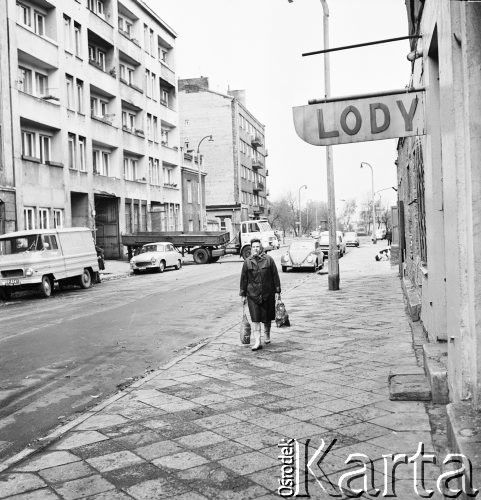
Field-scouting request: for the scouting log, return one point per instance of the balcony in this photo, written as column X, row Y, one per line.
column 133, row 142
column 258, row 187
column 169, row 115
column 170, row 155
column 257, row 209
column 103, row 80
column 130, row 47
column 257, row 164
column 101, row 27
column 256, row 141
column 103, row 130
column 39, row 110
column 37, row 49
column 167, row 76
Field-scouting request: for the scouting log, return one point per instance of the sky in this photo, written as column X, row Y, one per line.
column 257, row 45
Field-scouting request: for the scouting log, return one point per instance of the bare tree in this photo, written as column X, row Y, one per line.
column 283, row 214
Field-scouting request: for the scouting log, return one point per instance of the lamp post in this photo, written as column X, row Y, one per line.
column 201, row 213
column 374, row 239
column 333, row 262
column 304, row 186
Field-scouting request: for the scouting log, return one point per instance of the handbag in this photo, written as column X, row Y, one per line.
column 282, row 318
column 245, row 329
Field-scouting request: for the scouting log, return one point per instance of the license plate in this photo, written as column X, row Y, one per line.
column 13, row 282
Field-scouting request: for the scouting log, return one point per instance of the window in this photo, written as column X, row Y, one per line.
column 80, row 96
column 25, row 79
column 155, row 173
column 146, row 38
column 189, row 192
column 149, row 126
column 164, row 97
column 29, row 217
column 101, row 162
column 57, row 222
column 130, row 168
column 164, row 133
column 67, row 33
column 100, row 8
column 98, row 108
column 28, row 144
column 41, row 84
column 69, row 86
column 45, row 148
column 82, row 154
column 97, row 57
column 39, row 23
column 72, row 161
column 78, row 39
column 167, row 175
column 151, row 42
column 155, row 128
column 125, row 26
column 50, row 240
column 24, row 14
column 43, row 222
column 153, row 86
column 147, row 82
column 191, row 225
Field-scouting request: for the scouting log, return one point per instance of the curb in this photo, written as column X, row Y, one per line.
column 59, row 432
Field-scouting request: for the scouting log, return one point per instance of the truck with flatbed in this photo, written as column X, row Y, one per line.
column 208, row 246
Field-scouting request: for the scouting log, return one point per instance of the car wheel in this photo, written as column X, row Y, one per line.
column 161, row 266
column 178, row 265
column 46, row 287
column 85, row 280
column 284, row 269
column 5, row 294
column 136, row 271
column 213, row 260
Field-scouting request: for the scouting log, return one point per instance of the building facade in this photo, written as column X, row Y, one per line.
column 236, row 174
column 93, row 117
column 440, row 195
column 193, row 200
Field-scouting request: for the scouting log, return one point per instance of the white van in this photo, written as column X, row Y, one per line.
column 38, row 258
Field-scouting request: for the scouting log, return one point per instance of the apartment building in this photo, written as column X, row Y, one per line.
column 93, row 117
column 193, row 192
column 235, row 184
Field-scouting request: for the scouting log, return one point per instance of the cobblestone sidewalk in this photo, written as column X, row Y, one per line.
column 208, row 426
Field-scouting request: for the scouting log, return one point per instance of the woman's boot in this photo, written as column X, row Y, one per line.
column 256, row 330
column 267, row 333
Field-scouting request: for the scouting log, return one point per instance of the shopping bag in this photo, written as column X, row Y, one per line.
column 245, row 329
column 282, row 318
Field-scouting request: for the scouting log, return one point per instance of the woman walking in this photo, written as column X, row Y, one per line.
column 260, row 287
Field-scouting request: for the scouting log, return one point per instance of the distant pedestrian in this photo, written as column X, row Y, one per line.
column 389, row 236
column 260, row 286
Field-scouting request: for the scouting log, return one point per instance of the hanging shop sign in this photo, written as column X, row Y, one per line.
column 361, row 118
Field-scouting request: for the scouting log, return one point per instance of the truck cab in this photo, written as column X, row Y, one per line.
column 257, row 229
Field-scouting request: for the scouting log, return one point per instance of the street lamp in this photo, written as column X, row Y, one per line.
column 304, row 186
column 334, row 277
column 374, row 239
column 201, row 214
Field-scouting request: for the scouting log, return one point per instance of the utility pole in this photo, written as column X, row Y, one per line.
column 304, row 186
column 334, row 276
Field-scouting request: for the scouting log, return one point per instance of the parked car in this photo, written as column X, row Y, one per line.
column 303, row 254
column 361, row 231
column 156, row 257
column 324, row 243
column 351, row 239
column 37, row 258
column 315, row 234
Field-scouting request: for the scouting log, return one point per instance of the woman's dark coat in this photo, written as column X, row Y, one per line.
column 259, row 283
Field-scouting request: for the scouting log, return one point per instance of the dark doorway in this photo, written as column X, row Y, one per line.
column 107, row 225
column 79, row 204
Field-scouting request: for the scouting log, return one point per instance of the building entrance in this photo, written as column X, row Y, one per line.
column 107, row 225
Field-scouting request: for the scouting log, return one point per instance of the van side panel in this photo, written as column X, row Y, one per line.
column 79, row 252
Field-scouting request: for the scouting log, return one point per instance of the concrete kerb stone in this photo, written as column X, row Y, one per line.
column 59, row 432
column 435, row 366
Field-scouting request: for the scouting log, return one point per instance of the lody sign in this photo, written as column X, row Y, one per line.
column 361, row 119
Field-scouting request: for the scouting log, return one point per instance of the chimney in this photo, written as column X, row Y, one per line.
column 193, row 84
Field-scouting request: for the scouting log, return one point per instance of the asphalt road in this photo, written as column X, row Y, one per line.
column 59, row 356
